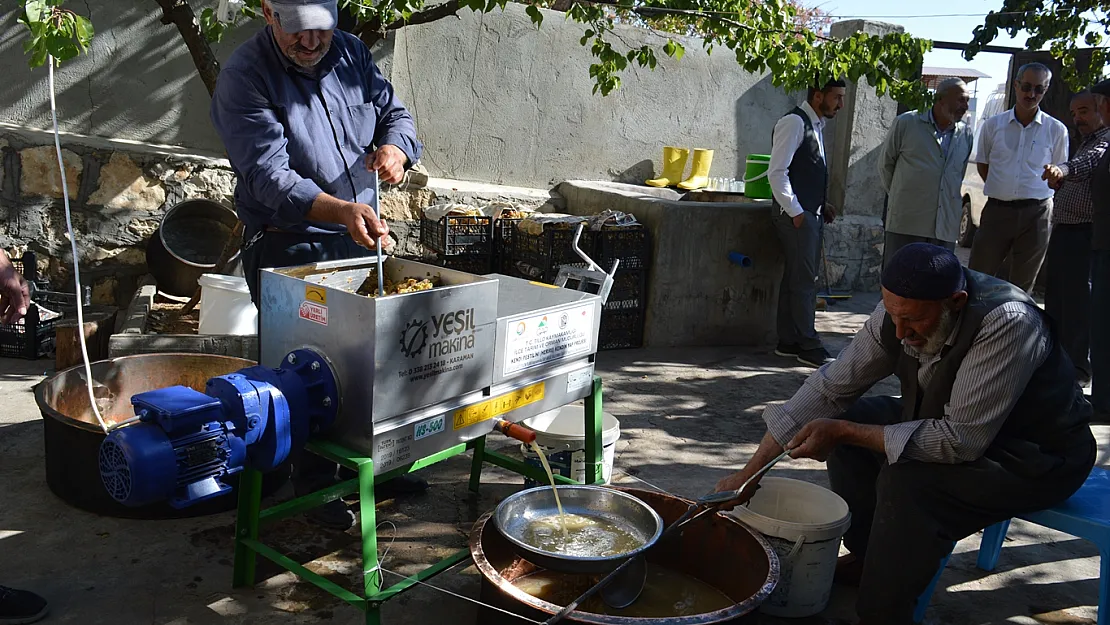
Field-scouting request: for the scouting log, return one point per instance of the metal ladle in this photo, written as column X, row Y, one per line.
column 623, row 586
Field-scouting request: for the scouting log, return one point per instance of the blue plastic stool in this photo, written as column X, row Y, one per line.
column 1086, row 514
column 923, row 599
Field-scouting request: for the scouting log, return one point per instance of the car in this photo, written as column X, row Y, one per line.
column 972, row 189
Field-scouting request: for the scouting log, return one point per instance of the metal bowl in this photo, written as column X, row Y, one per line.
column 631, row 514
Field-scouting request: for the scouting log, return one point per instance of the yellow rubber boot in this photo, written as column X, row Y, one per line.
column 674, row 164
column 699, row 173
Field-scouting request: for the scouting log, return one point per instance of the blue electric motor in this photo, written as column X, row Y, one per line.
column 185, row 441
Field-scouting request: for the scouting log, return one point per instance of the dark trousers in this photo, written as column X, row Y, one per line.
column 287, row 249
column 893, row 241
column 1067, row 291
column 906, row 516
column 1100, row 330
column 1016, row 229
column 798, row 289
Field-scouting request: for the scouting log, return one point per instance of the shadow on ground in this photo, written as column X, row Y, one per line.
column 688, row 418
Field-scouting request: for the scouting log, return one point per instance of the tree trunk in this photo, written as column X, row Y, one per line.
column 180, row 14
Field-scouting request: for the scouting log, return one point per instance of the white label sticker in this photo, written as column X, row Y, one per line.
column 314, row 312
column 424, row 429
column 540, row 339
column 579, row 380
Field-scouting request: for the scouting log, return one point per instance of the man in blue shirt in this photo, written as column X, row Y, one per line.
column 305, row 117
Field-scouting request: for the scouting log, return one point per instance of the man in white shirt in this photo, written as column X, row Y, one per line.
column 799, row 179
column 1014, row 149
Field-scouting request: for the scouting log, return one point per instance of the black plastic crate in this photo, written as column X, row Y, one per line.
column 621, row 329
column 629, row 291
column 503, row 230
column 33, row 337
column 548, row 251
column 630, row 244
column 458, row 234
column 479, row 264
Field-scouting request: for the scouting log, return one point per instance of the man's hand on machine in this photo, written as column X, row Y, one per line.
column 364, row 226
column 389, row 161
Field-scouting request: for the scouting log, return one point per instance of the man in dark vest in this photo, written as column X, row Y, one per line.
column 799, row 179
column 1100, row 271
column 991, row 423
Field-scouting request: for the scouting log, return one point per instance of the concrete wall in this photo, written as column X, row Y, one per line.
column 695, row 295
column 137, row 82
column 854, row 242
column 497, row 100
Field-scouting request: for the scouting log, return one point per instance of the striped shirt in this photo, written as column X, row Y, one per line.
column 1072, row 204
column 1011, row 344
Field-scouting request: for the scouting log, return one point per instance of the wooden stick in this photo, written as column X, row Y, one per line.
column 225, row 257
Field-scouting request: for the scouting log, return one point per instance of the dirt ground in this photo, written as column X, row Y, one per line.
column 687, row 417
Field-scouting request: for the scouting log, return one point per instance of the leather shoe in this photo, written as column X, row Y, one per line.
column 849, row 570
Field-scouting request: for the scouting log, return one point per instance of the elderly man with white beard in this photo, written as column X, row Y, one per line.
column 991, row 423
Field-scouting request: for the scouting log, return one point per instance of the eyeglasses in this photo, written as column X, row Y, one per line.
column 1038, row 89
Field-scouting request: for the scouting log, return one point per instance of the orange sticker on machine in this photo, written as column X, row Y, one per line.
column 316, row 294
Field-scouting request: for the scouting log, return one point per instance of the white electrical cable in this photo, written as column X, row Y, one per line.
column 463, row 597
column 381, row 561
column 73, row 247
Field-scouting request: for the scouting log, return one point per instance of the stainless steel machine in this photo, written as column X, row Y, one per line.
column 421, row 372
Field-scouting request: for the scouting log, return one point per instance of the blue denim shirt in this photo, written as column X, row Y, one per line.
column 292, row 133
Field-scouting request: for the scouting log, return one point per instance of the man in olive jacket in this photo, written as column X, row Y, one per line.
column 922, row 167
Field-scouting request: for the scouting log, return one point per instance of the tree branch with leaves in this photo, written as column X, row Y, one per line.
column 1063, row 25
column 776, row 36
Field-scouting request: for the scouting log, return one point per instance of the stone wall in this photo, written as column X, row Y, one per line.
column 119, row 192
column 118, row 195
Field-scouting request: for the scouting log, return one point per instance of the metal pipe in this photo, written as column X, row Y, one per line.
column 378, row 243
column 515, row 430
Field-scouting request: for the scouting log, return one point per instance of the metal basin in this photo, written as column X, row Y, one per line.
column 515, row 513
column 188, row 244
column 718, row 550
column 72, row 437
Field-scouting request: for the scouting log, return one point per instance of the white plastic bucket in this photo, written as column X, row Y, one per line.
column 561, row 435
column 225, row 306
column 804, row 523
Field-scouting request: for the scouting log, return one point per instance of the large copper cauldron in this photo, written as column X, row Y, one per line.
column 72, row 435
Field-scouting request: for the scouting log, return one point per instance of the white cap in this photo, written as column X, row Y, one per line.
column 297, row 15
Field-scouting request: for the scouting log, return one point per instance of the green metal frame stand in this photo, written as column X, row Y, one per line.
column 251, row 516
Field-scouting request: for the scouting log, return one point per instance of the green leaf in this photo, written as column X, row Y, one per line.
column 84, row 32
column 534, row 12
column 670, row 48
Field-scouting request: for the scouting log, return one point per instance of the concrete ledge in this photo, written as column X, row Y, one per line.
column 139, row 309
column 37, row 136
column 220, row 345
column 696, row 296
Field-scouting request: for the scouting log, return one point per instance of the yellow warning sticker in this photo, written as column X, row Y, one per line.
column 466, row 417
column 316, row 294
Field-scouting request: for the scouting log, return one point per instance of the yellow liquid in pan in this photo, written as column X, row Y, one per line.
column 666, row 593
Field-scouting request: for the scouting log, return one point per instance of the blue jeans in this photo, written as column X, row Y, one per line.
column 1067, row 291
column 1100, row 330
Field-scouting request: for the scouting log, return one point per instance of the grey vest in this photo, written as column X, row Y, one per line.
column 1051, row 415
column 808, row 174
